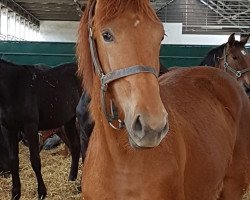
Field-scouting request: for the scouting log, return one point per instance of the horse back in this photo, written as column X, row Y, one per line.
column 44, row 96
column 58, row 91
column 208, row 113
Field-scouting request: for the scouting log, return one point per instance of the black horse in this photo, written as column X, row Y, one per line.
column 35, row 99
column 4, row 168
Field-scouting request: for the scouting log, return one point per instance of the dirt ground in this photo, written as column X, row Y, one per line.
column 55, row 170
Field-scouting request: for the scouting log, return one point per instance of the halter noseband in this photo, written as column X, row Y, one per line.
column 237, row 73
column 105, row 79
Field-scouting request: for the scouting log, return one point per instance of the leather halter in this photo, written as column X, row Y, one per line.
column 237, row 73
column 105, row 79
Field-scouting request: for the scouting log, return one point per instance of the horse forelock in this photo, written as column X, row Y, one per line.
column 110, row 9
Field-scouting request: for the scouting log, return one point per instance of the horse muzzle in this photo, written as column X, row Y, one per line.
column 142, row 134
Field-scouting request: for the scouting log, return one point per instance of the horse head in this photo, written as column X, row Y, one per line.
column 125, row 38
column 236, row 60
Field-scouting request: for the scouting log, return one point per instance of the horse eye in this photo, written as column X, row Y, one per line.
column 234, row 57
column 108, row 37
column 163, row 36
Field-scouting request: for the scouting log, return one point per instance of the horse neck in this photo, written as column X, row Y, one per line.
column 8, row 70
column 109, row 140
column 8, row 82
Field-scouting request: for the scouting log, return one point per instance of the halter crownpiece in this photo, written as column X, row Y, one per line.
column 105, row 79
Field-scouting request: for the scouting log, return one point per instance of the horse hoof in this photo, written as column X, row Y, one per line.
column 42, row 194
column 42, row 197
column 72, row 178
column 16, row 197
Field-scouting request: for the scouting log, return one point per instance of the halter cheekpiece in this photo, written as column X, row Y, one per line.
column 105, row 79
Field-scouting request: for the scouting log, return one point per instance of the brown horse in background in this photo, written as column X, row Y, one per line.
column 185, row 136
column 233, row 58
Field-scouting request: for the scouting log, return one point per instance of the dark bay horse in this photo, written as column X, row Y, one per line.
column 36, row 99
column 85, row 121
column 4, row 168
column 184, row 136
column 233, row 58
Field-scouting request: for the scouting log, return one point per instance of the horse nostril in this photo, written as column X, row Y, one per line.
column 165, row 129
column 247, row 87
column 137, row 126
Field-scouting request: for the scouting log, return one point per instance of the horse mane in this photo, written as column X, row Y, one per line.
column 108, row 10
column 211, row 59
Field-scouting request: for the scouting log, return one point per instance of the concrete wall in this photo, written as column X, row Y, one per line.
column 58, row 31
column 175, row 36
column 54, row 31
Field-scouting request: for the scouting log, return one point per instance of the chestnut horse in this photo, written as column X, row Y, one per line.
column 233, row 58
column 185, row 136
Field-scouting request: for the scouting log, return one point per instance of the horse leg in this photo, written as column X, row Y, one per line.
column 31, row 132
column 61, row 133
column 74, row 146
column 12, row 143
column 85, row 133
column 84, row 144
column 86, row 126
column 237, row 179
column 234, row 184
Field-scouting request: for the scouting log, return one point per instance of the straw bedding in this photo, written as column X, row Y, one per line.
column 55, row 170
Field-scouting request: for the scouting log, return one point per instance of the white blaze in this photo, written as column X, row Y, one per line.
column 137, row 22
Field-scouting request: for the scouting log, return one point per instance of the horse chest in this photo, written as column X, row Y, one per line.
column 133, row 178
column 10, row 120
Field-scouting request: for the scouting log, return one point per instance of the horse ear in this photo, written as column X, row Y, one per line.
column 231, row 39
column 244, row 40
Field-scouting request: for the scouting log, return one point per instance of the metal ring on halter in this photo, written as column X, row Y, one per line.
column 238, row 74
column 120, row 126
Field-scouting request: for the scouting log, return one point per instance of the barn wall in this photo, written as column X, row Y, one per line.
column 54, row 53
column 59, row 37
column 175, row 36
column 49, row 53
column 67, row 32
column 58, row 31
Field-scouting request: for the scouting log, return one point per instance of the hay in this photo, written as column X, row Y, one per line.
column 247, row 195
column 55, row 171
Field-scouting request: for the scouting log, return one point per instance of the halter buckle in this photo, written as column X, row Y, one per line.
column 104, row 86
